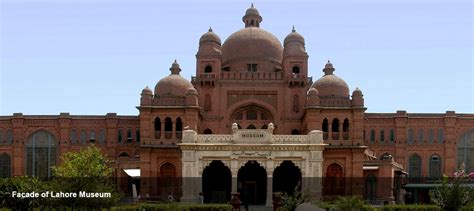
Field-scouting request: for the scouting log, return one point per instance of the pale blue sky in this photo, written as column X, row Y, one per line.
column 95, row 56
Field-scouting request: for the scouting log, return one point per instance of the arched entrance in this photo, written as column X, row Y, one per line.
column 334, row 181
column 216, row 183
column 252, row 183
column 286, row 178
column 40, row 154
column 465, row 150
column 370, row 187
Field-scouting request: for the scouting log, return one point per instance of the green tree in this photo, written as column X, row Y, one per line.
column 84, row 171
column 453, row 195
column 21, row 185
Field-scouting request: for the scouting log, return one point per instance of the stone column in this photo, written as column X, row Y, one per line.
column 340, row 130
column 329, row 130
column 162, row 130
column 173, row 129
column 234, row 170
column 269, row 200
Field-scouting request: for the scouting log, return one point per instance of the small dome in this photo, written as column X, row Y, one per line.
column 174, row 84
column 357, row 91
column 330, row 84
column 252, row 11
column 147, row 90
column 252, row 43
column 294, row 37
column 210, row 37
column 191, row 91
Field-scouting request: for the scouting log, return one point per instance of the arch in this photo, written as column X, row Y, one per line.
column 129, row 136
column 208, row 69
column 137, row 134
column 216, row 183
column 295, row 69
column 414, row 168
column 102, row 136
column 325, row 128
column 92, row 136
column 40, row 153
column 251, row 126
column 435, row 167
column 167, row 170
column 168, row 128
column 335, row 125
column 252, row 183
column 370, row 187
column 392, row 135
column 157, row 125
column 179, row 128
column 410, row 136
column 252, row 104
column 295, row 132
column 372, row 136
column 83, row 137
column 9, row 138
column 207, row 103
column 345, row 129
column 119, row 136
column 168, row 182
column 296, row 103
column 382, row 136
column 264, row 126
column 421, row 136
column 207, row 131
column 430, row 136
column 287, row 178
column 465, row 150
column 124, row 154
column 5, row 166
column 73, row 136
column 334, row 181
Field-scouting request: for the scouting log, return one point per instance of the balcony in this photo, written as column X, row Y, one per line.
column 298, row 80
column 204, row 79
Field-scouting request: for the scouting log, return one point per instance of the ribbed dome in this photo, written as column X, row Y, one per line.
column 330, row 84
column 210, row 37
column 147, row 90
column 294, row 37
column 173, row 84
column 252, row 43
column 252, row 11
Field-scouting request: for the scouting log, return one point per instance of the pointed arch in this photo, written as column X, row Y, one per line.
column 414, row 167
column 179, row 128
column 157, row 127
column 40, row 153
column 435, row 167
column 168, row 127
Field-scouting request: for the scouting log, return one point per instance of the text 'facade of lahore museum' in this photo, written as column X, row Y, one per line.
column 252, row 121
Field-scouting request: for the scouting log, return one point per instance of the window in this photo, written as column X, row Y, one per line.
column 392, row 136
column 208, row 69
column 420, row 136
column 40, row 154
column 207, row 131
column 73, row 137
column 102, row 136
column 295, row 132
column 296, row 104
column 440, row 136
column 179, row 128
column 252, row 115
column 92, row 136
column 382, row 136
column 335, row 125
column 137, row 134
column 414, row 169
column 207, row 103
column 9, row 136
column 168, row 128
column 157, row 127
column 431, row 136
column 410, row 136
column 251, row 67
column 1, row 136
column 465, row 151
column 129, row 136
column 372, row 136
column 83, row 137
column 296, row 70
column 435, row 167
column 119, row 136
column 325, row 125
column 251, row 126
column 5, row 166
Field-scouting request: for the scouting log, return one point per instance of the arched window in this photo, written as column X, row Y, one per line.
column 102, row 136
column 370, row 187
column 431, row 136
column 157, row 127
column 179, row 128
column 372, row 136
column 73, row 136
column 410, row 136
column 296, row 103
column 168, row 128
column 420, row 136
column 9, row 136
column 465, row 151
column 207, row 103
column 124, row 155
column 208, row 69
column 40, row 154
column 296, row 70
column 5, row 166
column 382, row 136
column 335, row 129
column 1, row 136
column 168, row 170
column 264, row 126
column 334, row 181
column 435, row 167
column 83, row 137
column 92, row 136
column 252, row 115
column 440, row 136
column 119, row 136
column 392, row 136
column 325, row 128
column 129, row 136
column 251, row 22
column 207, row 131
column 345, row 125
column 414, row 167
column 137, row 134
column 251, row 126
column 295, row 132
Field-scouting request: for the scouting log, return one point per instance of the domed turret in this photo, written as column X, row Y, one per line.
column 312, row 97
column 357, row 98
column 294, row 38
column 294, row 44
column 252, row 17
column 330, row 84
column 210, row 38
column 192, row 97
column 146, row 96
column 174, row 84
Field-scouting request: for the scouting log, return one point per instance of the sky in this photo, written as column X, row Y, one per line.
column 92, row 57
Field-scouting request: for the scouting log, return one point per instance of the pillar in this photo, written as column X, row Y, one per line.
column 269, row 200
column 340, row 130
column 173, row 129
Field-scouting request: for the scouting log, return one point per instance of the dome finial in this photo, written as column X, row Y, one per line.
column 251, row 5
column 293, row 30
column 328, row 68
column 175, row 68
column 210, row 29
column 252, row 17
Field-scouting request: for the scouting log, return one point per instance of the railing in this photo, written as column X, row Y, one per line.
column 169, row 100
column 252, row 76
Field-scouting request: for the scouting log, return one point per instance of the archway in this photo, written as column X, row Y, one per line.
column 40, row 154
column 334, row 181
column 465, row 150
column 286, row 178
column 216, row 183
column 370, row 187
column 252, row 183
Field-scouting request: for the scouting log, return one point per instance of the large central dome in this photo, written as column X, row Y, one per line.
column 252, row 43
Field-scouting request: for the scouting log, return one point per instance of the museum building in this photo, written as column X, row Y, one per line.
column 252, row 121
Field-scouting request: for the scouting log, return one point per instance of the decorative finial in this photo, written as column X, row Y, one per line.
column 210, row 29
column 175, row 68
column 329, row 61
column 328, row 68
column 293, row 30
column 251, row 5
